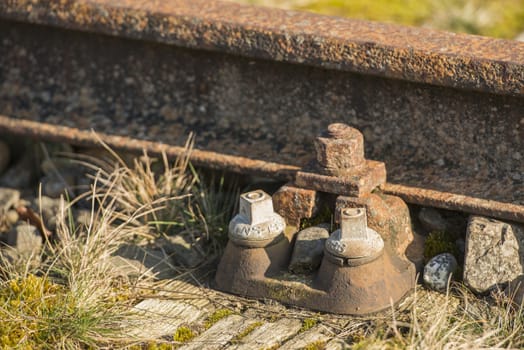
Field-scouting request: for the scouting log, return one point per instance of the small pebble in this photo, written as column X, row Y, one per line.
column 438, row 270
column 12, row 216
column 309, row 249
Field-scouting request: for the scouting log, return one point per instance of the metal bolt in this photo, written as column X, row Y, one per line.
column 353, row 224
column 354, row 241
column 256, row 224
column 340, row 148
column 256, row 206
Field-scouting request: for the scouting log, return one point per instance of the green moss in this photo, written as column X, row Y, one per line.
column 307, row 324
column 439, row 242
column 216, row 316
column 36, row 313
column 316, row 345
column 324, row 216
column 183, row 334
column 246, row 331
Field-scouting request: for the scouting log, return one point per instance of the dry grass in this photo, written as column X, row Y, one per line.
column 432, row 320
column 69, row 297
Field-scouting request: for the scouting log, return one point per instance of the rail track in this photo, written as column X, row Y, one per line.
column 444, row 111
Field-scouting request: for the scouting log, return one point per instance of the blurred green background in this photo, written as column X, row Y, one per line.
column 496, row 18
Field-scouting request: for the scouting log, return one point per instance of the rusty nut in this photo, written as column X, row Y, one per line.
column 340, row 148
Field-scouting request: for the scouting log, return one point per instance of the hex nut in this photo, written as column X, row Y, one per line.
column 256, row 224
column 354, row 240
column 340, row 148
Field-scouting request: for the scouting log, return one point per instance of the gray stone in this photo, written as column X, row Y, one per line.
column 5, row 156
column 309, row 249
column 431, row 220
column 8, row 198
column 438, row 270
column 182, row 251
column 83, row 217
column 515, row 290
column 24, row 239
column 494, row 253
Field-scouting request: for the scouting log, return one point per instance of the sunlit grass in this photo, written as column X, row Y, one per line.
column 503, row 18
column 69, row 296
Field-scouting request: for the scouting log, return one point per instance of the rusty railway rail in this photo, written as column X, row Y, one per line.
column 444, row 111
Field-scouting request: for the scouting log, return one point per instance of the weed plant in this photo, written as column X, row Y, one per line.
column 69, row 296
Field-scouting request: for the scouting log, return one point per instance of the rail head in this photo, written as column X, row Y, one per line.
column 387, row 50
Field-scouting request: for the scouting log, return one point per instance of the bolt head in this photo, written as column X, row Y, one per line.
column 354, row 240
column 256, row 206
column 353, row 223
column 340, row 148
column 256, row 224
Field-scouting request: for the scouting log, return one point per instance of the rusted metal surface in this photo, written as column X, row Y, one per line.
column 429, row 137
column 295, row 203
column 453, row 201
column 341, row 167
column 90, row 138
column 449, row 122
column 415, row 195
column 356, row 182
column 414, row 54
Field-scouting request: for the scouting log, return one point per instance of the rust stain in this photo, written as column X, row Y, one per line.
column 452, row 201
column 408, row 53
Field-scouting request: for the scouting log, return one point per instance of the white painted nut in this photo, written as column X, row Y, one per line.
column 353, row 224
column 354, row 240
column 256, row 224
